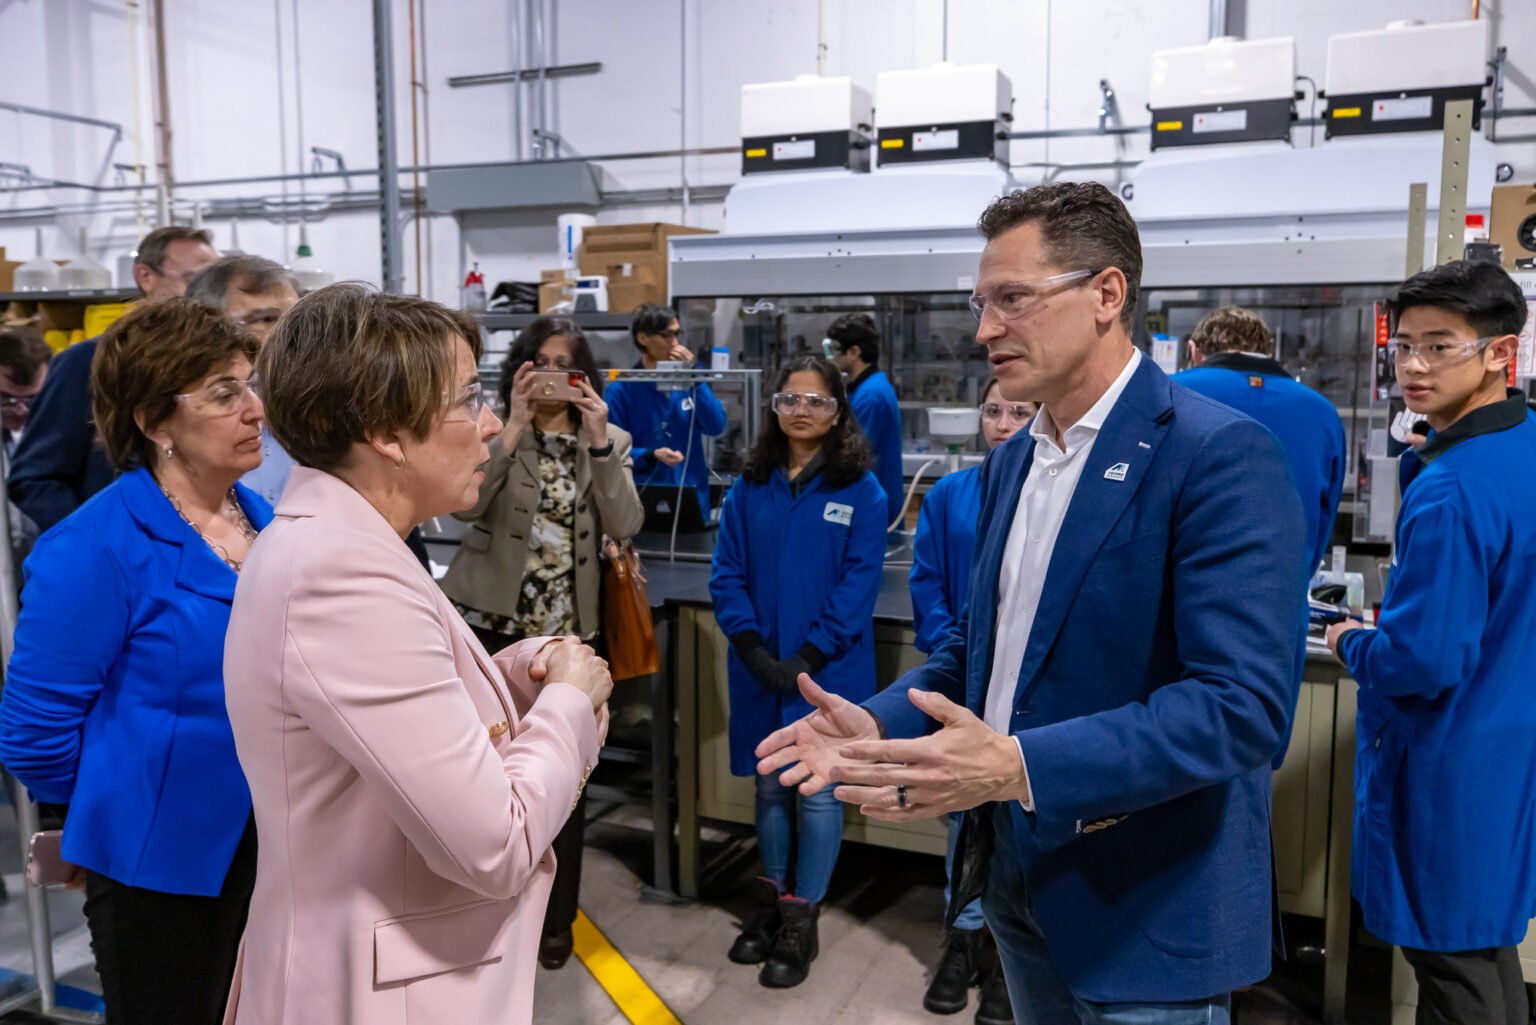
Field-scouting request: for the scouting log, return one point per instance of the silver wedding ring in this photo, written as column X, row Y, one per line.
column 901, row 797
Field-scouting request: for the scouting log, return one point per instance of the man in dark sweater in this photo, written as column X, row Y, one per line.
column 57, row 466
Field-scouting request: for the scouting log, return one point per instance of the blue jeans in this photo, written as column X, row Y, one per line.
column 1039, row 994
column 783, row 812
column 970, row 916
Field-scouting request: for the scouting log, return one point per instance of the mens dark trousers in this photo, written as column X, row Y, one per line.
column 1471, row 987
column 169, row 957
column 569, row 842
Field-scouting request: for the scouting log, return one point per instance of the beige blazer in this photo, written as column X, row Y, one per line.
column 487, row 570
column 406, row 785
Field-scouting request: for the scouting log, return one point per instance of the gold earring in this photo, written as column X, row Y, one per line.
column 401, row 464
column 168, row 450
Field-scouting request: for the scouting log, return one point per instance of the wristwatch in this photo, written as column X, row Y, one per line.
column 599, row 453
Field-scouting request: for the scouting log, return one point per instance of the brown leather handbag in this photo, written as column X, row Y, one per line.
column 628, row 631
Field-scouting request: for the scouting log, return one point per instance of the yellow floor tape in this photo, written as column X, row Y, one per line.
column 638, row 1001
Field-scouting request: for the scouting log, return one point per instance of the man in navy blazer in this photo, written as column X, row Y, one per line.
column 1108, row 705
column 57, row 465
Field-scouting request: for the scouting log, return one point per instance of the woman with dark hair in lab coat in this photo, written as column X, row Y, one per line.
column 796, row 569
column 941, row 575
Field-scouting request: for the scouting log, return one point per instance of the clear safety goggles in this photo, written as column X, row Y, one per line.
column 809, row 402
column 1438, row 353
column 1012, row 299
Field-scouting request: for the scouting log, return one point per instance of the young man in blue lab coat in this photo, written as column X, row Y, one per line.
column 1108, row 706
column 853, row 345
column 1231, row 355
column 668, row 427
column 941, row 574
column 1445, row 763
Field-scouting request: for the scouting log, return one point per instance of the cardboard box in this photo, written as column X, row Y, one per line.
column 634, row 255
column 559, row 274
column 555, row 291
column 1513, row 206
column 626, row 296
column 7, row 272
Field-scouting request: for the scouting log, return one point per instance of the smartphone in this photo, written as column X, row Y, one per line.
column 45, row 864
column 557, row 385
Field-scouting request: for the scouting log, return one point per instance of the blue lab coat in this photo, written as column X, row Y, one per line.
column 1155, row 687
column 1307, row 425
column 875, row 407
column 941, row 555
column 797, row 570
column 657, row 419
column 114, row 701
column 1445, row 759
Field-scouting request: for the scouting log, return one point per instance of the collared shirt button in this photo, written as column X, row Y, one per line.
column 1053, row 471
column 1035, row 539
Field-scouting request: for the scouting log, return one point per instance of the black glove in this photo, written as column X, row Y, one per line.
column 754, row 655
column 786, row 673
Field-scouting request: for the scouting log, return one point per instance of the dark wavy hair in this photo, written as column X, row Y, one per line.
column 527, row 345
column 845, row 448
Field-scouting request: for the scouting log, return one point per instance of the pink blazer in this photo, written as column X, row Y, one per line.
column 406, row 785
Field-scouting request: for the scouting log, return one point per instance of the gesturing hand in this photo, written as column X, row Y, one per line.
column 964, row 764
column 670, row 456
column 809, row 746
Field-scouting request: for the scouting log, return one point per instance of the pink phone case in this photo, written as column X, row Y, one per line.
column 45, row 864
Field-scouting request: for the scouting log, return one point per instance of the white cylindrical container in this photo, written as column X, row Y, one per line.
column 569, row 228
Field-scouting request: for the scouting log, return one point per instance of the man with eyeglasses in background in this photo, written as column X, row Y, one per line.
column 255, row 292
column 57, row 466
column 24, row 358
column 1445, row 746
column 853, row 346
column 669, row 427
column 1108, row 706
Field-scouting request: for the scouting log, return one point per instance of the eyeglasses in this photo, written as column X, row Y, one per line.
column 813, row 403
column 1013, row 299
column 997, row 411
column 267, row 315
column 669, row 334
column 1437, row 354
column 184, row 276
column 221, row 398
column 830, row 349
column 474, row 402
column 17, row 401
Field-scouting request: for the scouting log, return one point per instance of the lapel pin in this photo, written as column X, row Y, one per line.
column 1117, row 472
column 1143, row 444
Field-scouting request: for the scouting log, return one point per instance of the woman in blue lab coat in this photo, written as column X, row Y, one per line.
column 796, row 569
column 941, row 574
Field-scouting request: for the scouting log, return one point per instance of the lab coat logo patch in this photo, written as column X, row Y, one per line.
column 1117, row 472
column 1255, row 381
column 837, row 513
column 686, row 405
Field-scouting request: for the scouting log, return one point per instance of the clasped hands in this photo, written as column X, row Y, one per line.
column 963, row 764
column 567, row 660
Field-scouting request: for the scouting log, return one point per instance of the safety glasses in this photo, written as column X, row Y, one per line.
column 1013, row 299
column 795, row 402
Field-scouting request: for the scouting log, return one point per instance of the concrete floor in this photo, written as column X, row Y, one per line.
column 880, row 933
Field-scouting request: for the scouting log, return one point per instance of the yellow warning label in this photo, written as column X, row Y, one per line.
column 757, row 153
column 892, row 143
column 1169, row 126
column 1346, row 112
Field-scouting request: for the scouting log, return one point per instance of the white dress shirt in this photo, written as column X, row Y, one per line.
column 1043, row 501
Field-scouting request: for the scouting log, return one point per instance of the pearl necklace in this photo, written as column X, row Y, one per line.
column 239, row 519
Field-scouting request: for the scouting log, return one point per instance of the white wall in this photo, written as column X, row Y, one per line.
column 225, row 79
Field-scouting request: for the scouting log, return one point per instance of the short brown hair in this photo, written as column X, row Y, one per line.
column 148, row 357
column 348, row 361
column 241, row 272
column 152, row 247
column 1084, row 227
column 23, row 353
column 1232, row 329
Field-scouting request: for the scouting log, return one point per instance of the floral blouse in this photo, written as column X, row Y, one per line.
column 546, row 600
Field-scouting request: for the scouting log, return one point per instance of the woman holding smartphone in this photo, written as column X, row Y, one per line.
column 558, row 480
column 796, row 570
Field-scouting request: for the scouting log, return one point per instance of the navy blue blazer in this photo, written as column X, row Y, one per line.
column 114, row 697
column 1155, row 688
column 57, row 465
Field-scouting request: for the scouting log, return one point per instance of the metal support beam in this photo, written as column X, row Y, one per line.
column 389, row 161
column 117, row 129
column 526, row 74
column 1450, row 236
column 1418, row 214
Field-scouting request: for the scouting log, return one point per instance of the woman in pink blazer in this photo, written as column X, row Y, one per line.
column 406, row 785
